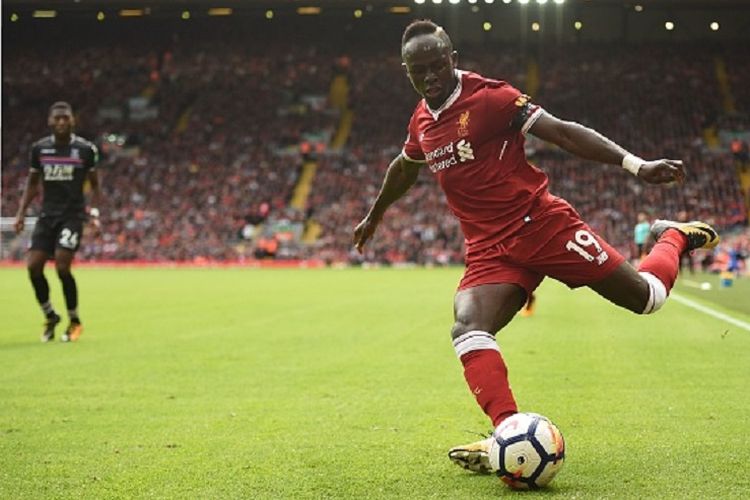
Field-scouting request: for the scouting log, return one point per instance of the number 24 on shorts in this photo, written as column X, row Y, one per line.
column 68, row 238
column 582, row 246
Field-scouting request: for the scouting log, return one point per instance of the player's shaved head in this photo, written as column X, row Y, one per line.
column 429, row 60
column 62, row 106
column 422, row 27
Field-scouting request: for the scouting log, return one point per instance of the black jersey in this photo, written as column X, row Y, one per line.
column 64, row 168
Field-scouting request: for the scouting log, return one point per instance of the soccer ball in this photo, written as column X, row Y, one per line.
column 527, row 450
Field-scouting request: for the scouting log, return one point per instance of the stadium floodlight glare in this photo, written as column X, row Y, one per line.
column 437, row 1
column 541, row 2
column 419, row 1
column 308, row 11
column 578, row 25
column 559, row 2
column 669, row 25
column 220, row 11
column 489, row 1
column 454, row 2
column 45, row 14
column 185, row 15
column 486, row 26
column 714, row 26
column 507, row 1
column 639, row 8
column 13, row 17
column 100, row 16
column 523, row 2
column 131, row 13
column 269, row 14
column 535, row 26
column 472, row 1
column 358, row 13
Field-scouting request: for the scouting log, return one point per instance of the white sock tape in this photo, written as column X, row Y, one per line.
column 475, row 340
column 657, row 293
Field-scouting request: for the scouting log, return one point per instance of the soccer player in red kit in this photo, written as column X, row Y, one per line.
column 469, row 131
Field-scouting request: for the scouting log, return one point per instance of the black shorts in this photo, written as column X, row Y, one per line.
column 52, row 232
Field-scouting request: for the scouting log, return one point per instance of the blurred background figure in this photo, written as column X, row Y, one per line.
column 640, row 235
column 530, row 307
column 686, row 258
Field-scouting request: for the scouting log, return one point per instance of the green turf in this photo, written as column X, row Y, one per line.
column 344, row 384
column 708, row 287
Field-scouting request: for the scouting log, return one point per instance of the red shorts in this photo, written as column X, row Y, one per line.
column 553, row 242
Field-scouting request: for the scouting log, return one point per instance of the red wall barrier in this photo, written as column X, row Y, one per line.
column 266, row 264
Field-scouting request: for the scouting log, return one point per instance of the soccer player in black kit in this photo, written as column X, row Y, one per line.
column 63, row 161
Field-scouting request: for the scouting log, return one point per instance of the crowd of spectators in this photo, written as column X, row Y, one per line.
column 418, row 229
column 221, row 157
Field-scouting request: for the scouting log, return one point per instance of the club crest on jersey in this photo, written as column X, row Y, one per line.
column 463, row 124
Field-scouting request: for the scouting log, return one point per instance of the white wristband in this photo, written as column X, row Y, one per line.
column 94, row 212
column 632, row 163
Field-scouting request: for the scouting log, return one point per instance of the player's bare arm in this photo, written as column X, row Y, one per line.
column 96, row 198
column 29, row 193
column 591, row 145
column 400, row 176
column 96, row 191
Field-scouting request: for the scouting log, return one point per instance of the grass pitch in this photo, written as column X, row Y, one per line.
column 343, row 384
column 709, row 289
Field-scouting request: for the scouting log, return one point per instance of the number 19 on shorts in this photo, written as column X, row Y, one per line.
column 587, row 247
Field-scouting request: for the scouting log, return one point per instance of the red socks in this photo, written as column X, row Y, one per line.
column 664, row 259
column 484, row 368
column 487, row 376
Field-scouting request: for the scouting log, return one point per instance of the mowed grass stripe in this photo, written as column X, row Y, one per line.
column 709, row 289
column 343, row 384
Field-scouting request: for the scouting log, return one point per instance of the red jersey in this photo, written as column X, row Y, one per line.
column 474, row 144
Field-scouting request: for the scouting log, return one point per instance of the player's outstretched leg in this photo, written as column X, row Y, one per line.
column 699, row 234
column 663, row 262
column 480, row 312
column 644, row 291
column 63, row 260
column 36, row 261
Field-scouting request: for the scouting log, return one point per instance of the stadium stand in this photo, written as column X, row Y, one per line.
column 204, row 142
column 188, row 180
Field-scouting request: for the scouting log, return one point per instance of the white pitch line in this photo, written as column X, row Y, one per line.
column 709, row 311
column 691, row 284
